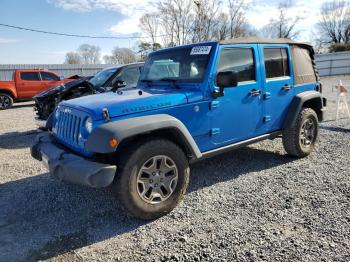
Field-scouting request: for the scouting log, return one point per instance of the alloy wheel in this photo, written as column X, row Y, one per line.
column 157, row 179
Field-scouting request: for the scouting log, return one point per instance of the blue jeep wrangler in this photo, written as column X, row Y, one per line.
column 191, row 102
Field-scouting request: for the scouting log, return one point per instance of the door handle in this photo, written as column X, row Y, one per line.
column 255, row 92
column 287, row 87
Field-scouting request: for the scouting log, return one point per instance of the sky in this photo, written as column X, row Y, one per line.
column 103, row 18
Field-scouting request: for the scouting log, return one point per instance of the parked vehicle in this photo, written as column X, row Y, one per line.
column 106, row 80
column 192, row 102
column 26, row 84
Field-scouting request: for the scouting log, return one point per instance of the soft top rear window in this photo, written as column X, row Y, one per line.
column 304, row 71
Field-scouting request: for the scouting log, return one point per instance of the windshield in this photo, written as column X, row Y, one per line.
column 186, row 64
column 101, row 77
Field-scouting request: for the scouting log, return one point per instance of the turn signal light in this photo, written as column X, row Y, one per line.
column 113, row 142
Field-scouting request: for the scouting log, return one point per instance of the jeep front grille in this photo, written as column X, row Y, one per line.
column 68, row 127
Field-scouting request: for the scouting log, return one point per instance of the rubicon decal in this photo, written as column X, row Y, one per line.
column 145, row 108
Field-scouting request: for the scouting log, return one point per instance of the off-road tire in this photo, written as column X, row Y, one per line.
column 292, row 136
column 129, row 164
column 6, row 101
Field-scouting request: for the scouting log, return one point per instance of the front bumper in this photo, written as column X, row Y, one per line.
column 70, row 167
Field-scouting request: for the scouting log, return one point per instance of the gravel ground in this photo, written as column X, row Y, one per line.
column 252, row 204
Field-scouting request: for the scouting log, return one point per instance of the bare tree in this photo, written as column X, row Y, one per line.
column 282, row 26
column 72, row 58
column 109, row 60
column 120, row 56
column 89, row 54
column 149, row 23
column 237, row 20
column 205, row 19
column 222, row 29
column 177, row 18
column 185, row 21
column 334, row 24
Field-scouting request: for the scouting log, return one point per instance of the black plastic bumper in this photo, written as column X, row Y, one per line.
column 69, row 167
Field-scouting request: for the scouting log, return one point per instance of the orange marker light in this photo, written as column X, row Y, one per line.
column 113, row 142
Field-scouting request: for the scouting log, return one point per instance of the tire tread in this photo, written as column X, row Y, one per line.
column 291, row 135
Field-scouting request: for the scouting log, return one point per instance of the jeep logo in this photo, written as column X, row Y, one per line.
column 67, row 111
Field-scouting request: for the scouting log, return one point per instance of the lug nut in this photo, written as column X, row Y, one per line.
column 151, row 181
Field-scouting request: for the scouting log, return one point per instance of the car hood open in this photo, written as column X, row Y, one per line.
column 61, row 88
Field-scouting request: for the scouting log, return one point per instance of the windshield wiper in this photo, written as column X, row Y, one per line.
column 147, row 81
column 171, row 80
column 168, row 79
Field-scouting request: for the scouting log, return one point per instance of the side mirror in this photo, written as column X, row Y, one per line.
column 224, row 80
column 118, row 84
column 227, row 79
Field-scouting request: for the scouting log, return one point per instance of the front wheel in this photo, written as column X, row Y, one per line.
column 152, row 178
column 6, row 101
column 300, row 139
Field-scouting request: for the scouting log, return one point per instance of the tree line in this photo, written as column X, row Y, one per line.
column 178, row 22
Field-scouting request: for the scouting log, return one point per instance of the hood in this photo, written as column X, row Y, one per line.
column 128, row 101
column 62, row 88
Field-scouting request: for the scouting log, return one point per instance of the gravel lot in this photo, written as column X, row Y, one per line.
column 252, row 204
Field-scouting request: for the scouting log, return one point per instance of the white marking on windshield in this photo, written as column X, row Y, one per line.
column 200, row 50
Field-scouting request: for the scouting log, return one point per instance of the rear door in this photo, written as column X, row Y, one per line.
column 277, row 69
column 28, row 84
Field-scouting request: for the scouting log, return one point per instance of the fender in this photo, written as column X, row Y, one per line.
column 98, row 141
column 312, row 99
column 8, row 87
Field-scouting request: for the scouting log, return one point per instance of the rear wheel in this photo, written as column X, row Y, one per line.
column 6, row 101
column 300, row 139
column 152, row 178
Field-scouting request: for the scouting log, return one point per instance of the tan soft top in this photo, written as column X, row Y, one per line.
column 302, row 53
column 259, row 40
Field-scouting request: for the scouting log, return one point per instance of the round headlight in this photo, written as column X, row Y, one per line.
column 88, row 124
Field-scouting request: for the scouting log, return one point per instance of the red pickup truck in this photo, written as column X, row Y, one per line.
column 26, row 84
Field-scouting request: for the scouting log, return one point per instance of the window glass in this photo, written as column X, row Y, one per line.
column 164, row 69
column 185, row 64
column 276, row 62
column 30, row 76
column 240, row 60
column 100, row 78
column 130, row 76
column 46, row 76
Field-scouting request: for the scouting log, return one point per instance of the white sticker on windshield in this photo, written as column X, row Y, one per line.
column 201, row 50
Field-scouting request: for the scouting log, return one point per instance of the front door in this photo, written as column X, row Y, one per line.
column 278, row 84
column 237, row 115
column 28, row 85
column 48, row 80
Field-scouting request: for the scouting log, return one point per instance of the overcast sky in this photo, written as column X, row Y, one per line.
column 103, row 18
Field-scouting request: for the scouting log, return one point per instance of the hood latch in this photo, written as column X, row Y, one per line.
column 105, row 114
